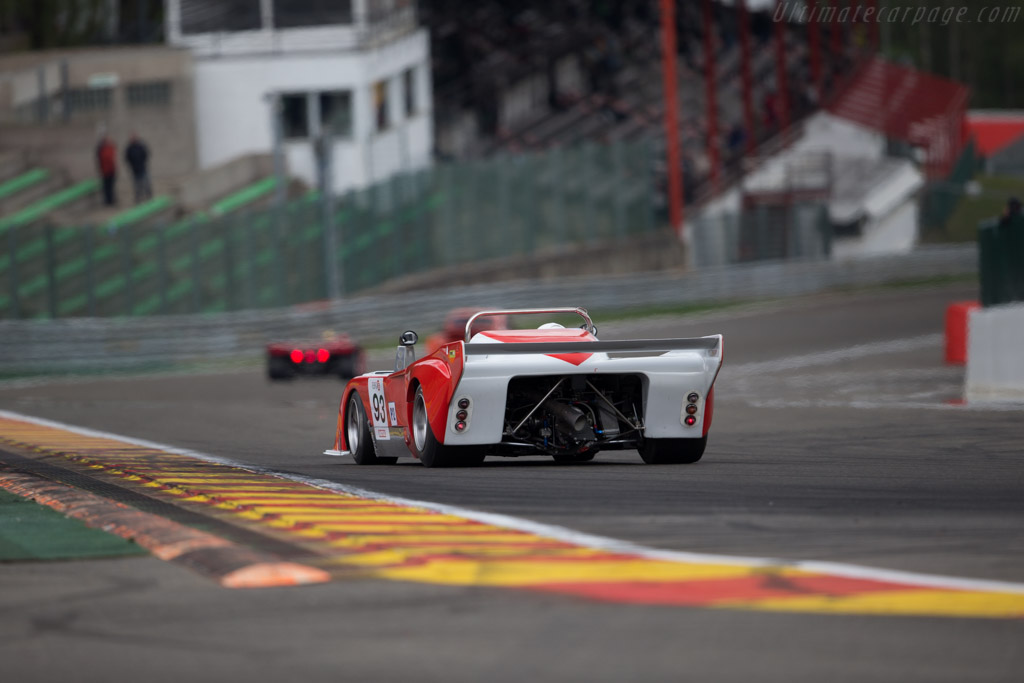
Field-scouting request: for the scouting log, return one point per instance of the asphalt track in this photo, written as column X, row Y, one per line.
column 839, row 436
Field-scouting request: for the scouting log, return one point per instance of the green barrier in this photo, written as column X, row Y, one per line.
column 1001, row 255
column 23, row 181
column 246, row 195
column 47, row 204
column 140, row 213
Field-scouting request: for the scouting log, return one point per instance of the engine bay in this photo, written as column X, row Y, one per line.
column 573, row 414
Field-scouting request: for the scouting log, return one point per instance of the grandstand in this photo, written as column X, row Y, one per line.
column 796, row 142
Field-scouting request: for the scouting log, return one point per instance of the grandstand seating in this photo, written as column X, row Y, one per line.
column 482, row 55
column 104, row 267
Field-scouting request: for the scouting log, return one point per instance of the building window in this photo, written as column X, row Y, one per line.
column 216, row 16
column 90, row 99
column 293, row 13
column 409, row 86
column 380, row 106
column 336, row 113
column 152, row 94
column 294, row 119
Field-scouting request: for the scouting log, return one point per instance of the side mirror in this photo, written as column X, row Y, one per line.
column 408, row 338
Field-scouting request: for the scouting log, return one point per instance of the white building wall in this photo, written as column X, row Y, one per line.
column 233, row 108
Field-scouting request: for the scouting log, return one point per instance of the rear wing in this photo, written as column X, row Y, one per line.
column 711, row 345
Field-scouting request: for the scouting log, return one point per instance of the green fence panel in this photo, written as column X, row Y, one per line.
column 243, row 254
column 1001, row 260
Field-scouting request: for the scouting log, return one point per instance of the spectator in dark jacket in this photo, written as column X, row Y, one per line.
column 106, row 164
column 136, row 155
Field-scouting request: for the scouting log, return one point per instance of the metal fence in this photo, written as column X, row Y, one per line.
column 792, row 231
column 158, row 342
column 274, row 256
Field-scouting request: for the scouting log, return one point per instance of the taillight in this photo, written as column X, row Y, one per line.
column 461, row 415
column 460, row 426
column 691, row 409
column 296, row 355
column 463, row 403
column 693, row 397
column 322, row 355
column 690, row 420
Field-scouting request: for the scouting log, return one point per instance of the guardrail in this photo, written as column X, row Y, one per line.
column 100, row 344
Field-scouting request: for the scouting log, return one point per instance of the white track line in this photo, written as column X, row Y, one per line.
column 562, row 533
column 836, row 355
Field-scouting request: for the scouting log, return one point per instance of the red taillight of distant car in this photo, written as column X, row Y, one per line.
column 296, row 355
column 690, row 420
column 322, row 355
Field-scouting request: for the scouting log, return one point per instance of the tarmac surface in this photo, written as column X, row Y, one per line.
column 839, row 435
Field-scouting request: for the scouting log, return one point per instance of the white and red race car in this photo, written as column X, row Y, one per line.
column 549, row 391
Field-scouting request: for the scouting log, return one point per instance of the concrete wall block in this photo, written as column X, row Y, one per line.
column 995, row 354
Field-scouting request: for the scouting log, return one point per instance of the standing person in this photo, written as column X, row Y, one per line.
column 136, row 154
column 106, row 163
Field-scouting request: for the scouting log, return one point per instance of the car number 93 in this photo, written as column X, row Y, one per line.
column 379, row 408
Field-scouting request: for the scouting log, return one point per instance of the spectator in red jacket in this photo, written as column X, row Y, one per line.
column 106, row 163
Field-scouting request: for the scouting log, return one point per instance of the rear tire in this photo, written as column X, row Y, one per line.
column 672, row 451
column 278, row 369
column 358, row 437
column 431, row 452
column 347, row 367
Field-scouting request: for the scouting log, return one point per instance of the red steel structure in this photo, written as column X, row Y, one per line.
column 814, row 38
column 668, row 69
column 710, row 88
column 782, row 99
column 745, row 76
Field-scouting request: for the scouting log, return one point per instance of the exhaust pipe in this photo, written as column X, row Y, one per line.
column 569, row 417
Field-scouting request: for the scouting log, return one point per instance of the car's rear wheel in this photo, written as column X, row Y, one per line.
column 347, row 367
column 672, row 451
column 358, row 437
column 431, row 452
column 279, row 369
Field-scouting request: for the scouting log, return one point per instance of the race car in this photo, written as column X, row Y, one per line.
column 336, row 355
column 551, row 391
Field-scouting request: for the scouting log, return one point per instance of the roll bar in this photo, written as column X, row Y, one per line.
column 582, row 312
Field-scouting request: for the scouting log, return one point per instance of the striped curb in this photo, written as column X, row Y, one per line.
column 358, row 534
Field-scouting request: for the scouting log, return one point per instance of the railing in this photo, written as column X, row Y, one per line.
column 274, row 256
column 162, row 342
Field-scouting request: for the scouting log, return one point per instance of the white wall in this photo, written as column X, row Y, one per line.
column 233, row 111
column 889, row 209
column 995, row 361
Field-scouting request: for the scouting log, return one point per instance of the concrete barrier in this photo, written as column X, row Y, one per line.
column 995, row 354
column 957, row 314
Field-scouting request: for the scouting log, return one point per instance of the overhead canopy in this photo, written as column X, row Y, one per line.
column 903, row 103
column 993, row 131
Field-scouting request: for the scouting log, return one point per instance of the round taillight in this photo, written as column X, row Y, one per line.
column 691, row 409
column 690, row 420
column 463, row 403
column 693, row 397
column 296, row 355
column 460, row 426
column 322, row 355
column 461, row 415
